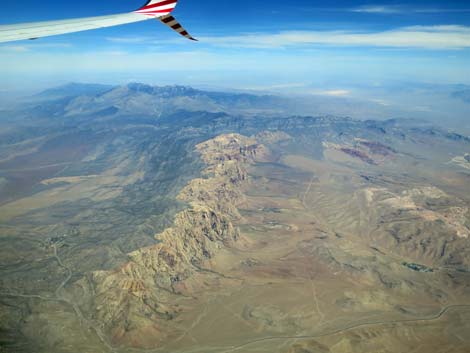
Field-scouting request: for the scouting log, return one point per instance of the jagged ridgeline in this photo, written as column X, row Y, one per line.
column 131, row 224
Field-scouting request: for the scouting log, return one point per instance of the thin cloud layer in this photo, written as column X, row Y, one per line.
column 381, row 9
column 422, row 37
column 403, row 9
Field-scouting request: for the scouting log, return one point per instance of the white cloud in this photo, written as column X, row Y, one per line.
column 424, row 37
column 381, row 102
column 282, row 69
column 14, row 49
column 332, row 93
column 130, row 40
column 278, row 87
column 8, row 48
column 402, row 9
column 378, row 9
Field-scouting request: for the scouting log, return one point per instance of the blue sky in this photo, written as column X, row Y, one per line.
column 248, row 44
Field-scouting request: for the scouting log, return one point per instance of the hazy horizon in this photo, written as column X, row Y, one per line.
column 440, row 105
column 247, row 44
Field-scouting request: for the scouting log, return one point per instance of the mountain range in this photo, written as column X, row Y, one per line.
column 138, row 218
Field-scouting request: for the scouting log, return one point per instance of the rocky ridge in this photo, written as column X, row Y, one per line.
column 132, row 300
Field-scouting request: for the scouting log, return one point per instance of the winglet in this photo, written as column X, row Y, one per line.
column 171, row 22
column 157, row 8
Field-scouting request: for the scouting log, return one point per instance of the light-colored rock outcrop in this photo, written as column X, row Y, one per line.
column 132, row 301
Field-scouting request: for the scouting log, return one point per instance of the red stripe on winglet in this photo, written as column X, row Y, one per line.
column 153, row 14
column 154, row 11
column 163, row 3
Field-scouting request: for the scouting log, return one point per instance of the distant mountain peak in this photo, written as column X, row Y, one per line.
column 165, row 91
column 139, row 87
column 74, row 89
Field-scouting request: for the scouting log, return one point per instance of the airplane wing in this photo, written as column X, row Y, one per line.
column 153, row 9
